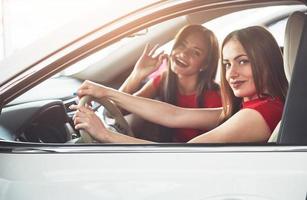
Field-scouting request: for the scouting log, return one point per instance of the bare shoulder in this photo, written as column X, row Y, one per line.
column 249, row 117
column 249, row 121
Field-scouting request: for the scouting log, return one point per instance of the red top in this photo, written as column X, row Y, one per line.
column 269, row 107
column 212, row 99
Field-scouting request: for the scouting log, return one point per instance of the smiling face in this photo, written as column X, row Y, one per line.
column 238, row 70
column 189, row 54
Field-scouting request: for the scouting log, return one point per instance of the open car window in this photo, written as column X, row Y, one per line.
column 110, row 65
column 40, row 154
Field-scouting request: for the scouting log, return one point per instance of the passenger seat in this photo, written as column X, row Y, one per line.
column 293, row 33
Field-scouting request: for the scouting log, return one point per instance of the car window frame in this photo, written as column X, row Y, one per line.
column 34, row 74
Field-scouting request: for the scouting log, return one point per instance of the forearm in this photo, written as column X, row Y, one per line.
column 112, row 137
column 132, row 83
column 166, row 114
column 151, row 110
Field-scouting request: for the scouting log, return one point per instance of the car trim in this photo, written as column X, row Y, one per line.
column 28, row 148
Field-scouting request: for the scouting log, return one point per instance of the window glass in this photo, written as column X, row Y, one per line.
column 272, row 17
column 278, row 30
column 24, row 22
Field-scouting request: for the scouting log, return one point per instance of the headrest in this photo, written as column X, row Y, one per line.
column 294, row 29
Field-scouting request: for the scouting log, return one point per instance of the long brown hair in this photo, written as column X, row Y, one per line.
column 169, row 88
column 206, row 75
column 267, row 67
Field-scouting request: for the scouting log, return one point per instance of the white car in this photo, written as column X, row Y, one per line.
column 40, row 161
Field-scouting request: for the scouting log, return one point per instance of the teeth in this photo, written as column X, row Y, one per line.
column 181, row 62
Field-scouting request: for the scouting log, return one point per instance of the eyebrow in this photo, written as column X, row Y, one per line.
column 200, row 49
column 237, row 57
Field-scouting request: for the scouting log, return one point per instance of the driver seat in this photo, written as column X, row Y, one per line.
column 293, row 34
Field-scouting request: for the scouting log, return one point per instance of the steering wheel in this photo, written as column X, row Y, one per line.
column 119, row 123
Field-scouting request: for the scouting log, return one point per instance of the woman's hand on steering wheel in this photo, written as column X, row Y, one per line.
column 85, row 119
column 93, row 90
column 91, row 126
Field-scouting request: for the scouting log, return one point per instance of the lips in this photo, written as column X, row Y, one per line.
column 236, row 84
column 181, row 63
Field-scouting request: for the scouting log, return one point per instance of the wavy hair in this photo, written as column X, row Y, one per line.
column 169, row 88
column 267, row 67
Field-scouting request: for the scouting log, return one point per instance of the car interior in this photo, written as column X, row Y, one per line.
column 293, row 33
column 293, row 123
column 42, row 114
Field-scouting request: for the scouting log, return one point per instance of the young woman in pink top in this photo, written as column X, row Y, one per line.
column 253, row 86
column 188, row 80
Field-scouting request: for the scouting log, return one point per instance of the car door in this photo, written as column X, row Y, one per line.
column 159, row 171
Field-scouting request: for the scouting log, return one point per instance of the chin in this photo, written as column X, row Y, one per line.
column 237, row 93
column 178, row 71
column 245, row 95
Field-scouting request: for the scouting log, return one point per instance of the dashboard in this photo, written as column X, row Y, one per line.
column 41, row 115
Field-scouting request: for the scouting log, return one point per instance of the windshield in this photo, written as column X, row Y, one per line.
column 27, row 25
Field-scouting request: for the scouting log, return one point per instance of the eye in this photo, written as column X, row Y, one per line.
column 195, row 53
column 226, row 65
column 243, row 61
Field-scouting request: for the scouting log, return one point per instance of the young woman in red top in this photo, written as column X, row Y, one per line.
column 188, row 80
column 253, row 86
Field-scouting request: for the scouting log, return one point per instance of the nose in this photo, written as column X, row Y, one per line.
column 232, row 71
